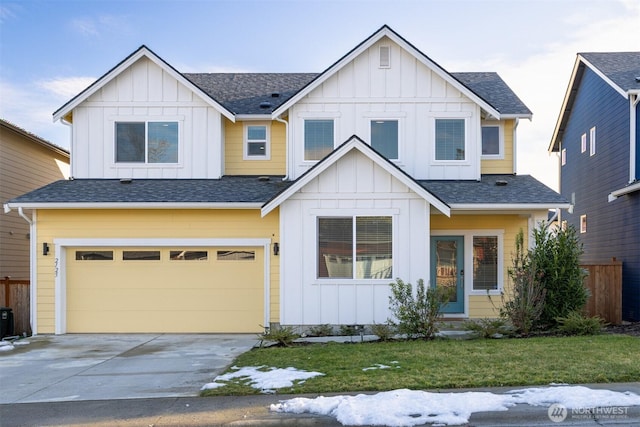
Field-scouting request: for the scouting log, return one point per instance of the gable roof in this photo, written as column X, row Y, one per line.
column 354, row 143
column 386, row 31
column 141, row 52
column 620, row 70
column 494, row 90
column 34, row 138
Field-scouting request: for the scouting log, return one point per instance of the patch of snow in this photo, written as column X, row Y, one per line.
column 6, row 346
column 266, row 381
column 376, row 366
column 410, row 407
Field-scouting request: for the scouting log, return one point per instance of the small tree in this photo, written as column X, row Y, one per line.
column 526, row 305
column 556, row 256
column 417, row 316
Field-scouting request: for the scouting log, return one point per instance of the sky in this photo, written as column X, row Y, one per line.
column 50, row 50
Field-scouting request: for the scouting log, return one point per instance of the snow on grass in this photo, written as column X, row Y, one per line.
column 6, row 346
column 410, row 407
column 265, row 381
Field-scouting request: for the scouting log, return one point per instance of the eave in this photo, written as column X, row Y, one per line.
column 132, row 205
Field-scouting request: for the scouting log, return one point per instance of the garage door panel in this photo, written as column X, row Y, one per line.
column 210, row 295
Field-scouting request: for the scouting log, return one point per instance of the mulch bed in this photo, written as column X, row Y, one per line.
column 626, row 328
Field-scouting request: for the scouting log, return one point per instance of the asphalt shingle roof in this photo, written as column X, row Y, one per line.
column 494, row 189
column 519, row 189
column 228, row 189
column 490, row 87
column 623, row 68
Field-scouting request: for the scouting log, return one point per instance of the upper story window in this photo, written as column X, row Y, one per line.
column 256, row 142
column 318, row 138
column 384, row 138
column 365, row 239
column 563, row 157
column 146, row 142
column 450, row 139
column 492, row 141
column 592, row 141
column 583, row 143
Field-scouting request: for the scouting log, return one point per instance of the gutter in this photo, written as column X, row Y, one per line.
column 623, row 191
column 142, row 205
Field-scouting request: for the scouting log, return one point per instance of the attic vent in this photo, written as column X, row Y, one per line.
column 275, row 94
column 264, row 178
column 501, row 182
column 265, row 104
column 638, row 78
column 385, row 57
column 125, row 181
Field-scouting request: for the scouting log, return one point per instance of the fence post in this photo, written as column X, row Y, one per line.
column 7, row 291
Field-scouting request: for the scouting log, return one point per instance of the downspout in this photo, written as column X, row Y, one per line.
column 32, row 269
column 286, row 148
column 515, row 145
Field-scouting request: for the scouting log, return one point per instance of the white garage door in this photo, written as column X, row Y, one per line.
column 165, row 289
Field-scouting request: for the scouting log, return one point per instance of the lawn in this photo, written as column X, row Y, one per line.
column 448, row 363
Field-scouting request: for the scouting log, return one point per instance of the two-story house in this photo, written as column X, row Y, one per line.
column 598, row 137
column 228, row 202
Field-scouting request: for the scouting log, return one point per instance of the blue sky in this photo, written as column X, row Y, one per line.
column 51, row 50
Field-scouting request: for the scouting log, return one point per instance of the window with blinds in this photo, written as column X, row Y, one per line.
column 485, row 263
column 368, row 240
column 450, row 144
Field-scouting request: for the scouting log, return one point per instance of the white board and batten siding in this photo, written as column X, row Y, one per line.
column 146, row 92
column 354, row 185
column 408, row 91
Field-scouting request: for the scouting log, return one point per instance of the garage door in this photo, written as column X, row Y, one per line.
column 203, row 289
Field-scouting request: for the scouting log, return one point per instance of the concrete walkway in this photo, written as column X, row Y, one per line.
column 126, row 366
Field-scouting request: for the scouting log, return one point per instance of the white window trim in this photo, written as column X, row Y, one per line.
column 468, row 259
column 317, row 117
column 583, row 143
column 245, row 142
column 328, row 213
column 380, row 63
column 592, row 141
column 467, row 120
column 500, row 126
column 583, row 224
column 146, row 120
column 400, row 133
column 563, row 157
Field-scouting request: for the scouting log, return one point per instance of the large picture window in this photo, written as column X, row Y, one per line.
column 318, row 139
column 384, row 138
column 146, row 142
column 367, row 239
column 450, row 139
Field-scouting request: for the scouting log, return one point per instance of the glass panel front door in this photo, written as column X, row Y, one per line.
column 447, row 269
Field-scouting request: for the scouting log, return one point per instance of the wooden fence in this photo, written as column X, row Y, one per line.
column 15, row 295
column 605, row 285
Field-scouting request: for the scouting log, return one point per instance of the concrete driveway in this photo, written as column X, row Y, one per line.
column 73, row 367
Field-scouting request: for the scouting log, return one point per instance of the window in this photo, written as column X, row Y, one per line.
column 450, row 139
column 592, row 141
column 318, row 139
column 384, row 138
column 94, row 255
column 256, row 142
column 146, row 142
column 236, row 255
column 385, row 56
column 583, row 223
column 485, row 263
column 564, row 157
column 185, row 255
column 491, row 145
column 141, row 255
column 368, row 240
column 583, row 143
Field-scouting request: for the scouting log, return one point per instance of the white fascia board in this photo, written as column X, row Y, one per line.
column 506, row 206
column 605, row 78
column 516, row 116
column 140, row 205
column 142, row 52
column 254, row 117
column 626, row 190
column 354, row 143
column 565, row 102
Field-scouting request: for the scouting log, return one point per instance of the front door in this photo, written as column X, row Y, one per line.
column 447, row 269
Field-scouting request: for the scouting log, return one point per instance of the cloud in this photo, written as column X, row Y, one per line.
column 66, row 87
column 102, row 25
column 6, row 13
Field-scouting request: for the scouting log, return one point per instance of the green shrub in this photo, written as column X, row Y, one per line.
column 283, row 336
column 526, row 304
column 325, row 330
column 575, row 323
column 417, row 316
column 556, row 256
column 488, row 328
column 383, row 331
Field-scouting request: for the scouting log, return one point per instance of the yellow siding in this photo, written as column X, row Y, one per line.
column 483, row 305
column 234, row 146
column 164, row 223
column 505, row 165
